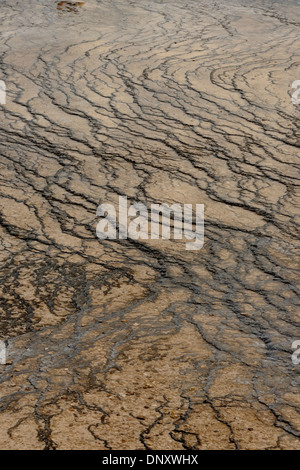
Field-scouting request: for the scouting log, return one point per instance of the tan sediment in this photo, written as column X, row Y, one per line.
column 143, row 344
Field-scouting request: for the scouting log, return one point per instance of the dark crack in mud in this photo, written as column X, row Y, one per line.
column 142, row 344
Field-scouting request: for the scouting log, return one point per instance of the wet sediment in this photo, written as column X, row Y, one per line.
column 141, row 344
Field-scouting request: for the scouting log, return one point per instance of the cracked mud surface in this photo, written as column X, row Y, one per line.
column 141, row 344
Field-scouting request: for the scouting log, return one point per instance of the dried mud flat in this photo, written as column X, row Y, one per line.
column 142, row 344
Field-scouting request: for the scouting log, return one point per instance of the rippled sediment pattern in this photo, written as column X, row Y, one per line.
column 142, row 344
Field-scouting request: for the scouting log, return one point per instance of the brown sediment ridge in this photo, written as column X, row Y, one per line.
column 125, row 344
column 69, row 6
